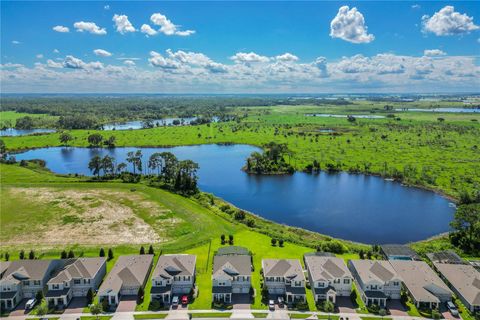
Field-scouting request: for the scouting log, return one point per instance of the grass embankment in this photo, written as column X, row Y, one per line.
column 417, row 149
column 198, row 231
column 150, row 316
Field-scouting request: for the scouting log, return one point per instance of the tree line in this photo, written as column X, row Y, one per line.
column 162, row 169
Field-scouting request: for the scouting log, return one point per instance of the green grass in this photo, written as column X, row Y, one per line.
column 329, row 317
column 299, row 315
column 150, row 316
column 48, row 318
column 259, row 315
column 375, row 318
column 95, row 317
column 211, row 315
column 9, row 118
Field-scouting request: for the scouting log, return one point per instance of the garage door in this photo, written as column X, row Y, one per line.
column 128, row 292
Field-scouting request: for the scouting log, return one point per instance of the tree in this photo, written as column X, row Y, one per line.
column 107, row 165
column 328, row 306
column 7, row 256
column 95, row 139
column 140, row 295
column 96, row 309
column 222, row 237
column 89, row 296
column 42, row 309
column 169, row 167
column 156, row 162
column 150, row 250
column 95, row 165
column 71, row 255
column 142, row 250
column 31, row 255
column 230, row 238
column 280, row 242
column 24, row 123
column 39, row 296
column 466, row 223
column 101, row 253
column 135, row 158
column 63, row 255
column 110, row 142
column 186, row 177
column 110, row 254
column 121, row 167
column 382, row 312
column 65, row 137
column 21, row 255
column 273, row 241
column 361, row 254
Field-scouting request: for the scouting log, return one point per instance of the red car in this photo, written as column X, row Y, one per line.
column 184, row 300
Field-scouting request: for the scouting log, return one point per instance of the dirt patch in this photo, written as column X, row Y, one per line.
column 93, row 216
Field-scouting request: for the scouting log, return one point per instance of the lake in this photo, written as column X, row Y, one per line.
column 18, row 132
column 354, row 207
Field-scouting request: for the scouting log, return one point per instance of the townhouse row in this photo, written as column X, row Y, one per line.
column 378, row 281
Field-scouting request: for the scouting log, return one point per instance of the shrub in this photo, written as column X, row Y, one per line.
column 240, row 215
column 274, row 242
column 110, row 254
column 101, row 253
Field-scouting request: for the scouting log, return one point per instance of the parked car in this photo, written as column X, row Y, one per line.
column 452, row 308
column 175, row 301
column 185, row 300
column 280, row 301
column 30, row 304
column 271, row 304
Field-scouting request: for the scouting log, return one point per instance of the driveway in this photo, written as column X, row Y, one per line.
column 20, row 309
column 396, row 308
column 127, row 303
column 446, row 314
column 76, row 305
column 241, row 301
column 345, row 305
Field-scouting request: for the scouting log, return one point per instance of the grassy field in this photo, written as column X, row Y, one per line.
column 417, row 149
column 9, row 118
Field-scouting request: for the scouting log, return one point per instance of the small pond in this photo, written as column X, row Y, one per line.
column 445, row 110
column 12, row 132
column 355, row 207
column 359, row 116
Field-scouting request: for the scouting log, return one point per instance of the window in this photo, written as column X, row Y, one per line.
column 346, row 281
column 336, row 281
column 76, row 281
column 396, row 283
column 26, row 282
column 37, row 282
column 87, row 281
column 373, row 287
column 321, row 284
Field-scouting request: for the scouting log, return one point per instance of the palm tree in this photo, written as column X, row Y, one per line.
column 95, row 165
column 107, row 164
column 121, row 167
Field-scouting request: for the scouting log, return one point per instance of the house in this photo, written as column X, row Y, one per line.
column 126, row 277
column 74, row 279
column 284, row 277
column 422, row 283
column 447, row 256
column 376, row 281
column 174, row 274
column 464, row 280
column 23, row 279
column 398, row 252
column 329, row 277
column 231, row 275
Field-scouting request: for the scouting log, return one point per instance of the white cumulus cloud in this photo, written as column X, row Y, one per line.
column 251, row 57
column 72, row 62
column 447, row 22
column 129, row 63
column 287, row 57
column 53, row 64
column 16, row 42
column 39, row 56
column 145, row 28
column 433, row 52
column 349, row 25
column 122, row 24
column 61, row 29
column 90, row 27
column 167, row 27
column 102, row 53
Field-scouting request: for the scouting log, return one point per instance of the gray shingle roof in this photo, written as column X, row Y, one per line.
column 171, row 265
column 231, row 265
column 78, row 268
column 399, row 250
column 4, row 266
column 129, row 271
column 326, row 268
column 420, row 280
column 379, row 270
column 464, row 278
column 289, row 268
column 27, row 269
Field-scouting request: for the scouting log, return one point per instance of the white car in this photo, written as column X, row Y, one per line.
column 175, row 301
column 452, row 308
column 271, row 304
column 30, row 304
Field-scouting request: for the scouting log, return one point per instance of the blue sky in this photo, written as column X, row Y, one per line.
column 379, row 46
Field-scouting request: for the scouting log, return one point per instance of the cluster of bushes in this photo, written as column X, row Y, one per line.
column 270, row 161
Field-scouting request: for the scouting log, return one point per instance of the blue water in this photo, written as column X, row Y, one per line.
column 446, row 110
column 17, row 132
column 359, row 116
column 133, row 125
column 355, row 207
